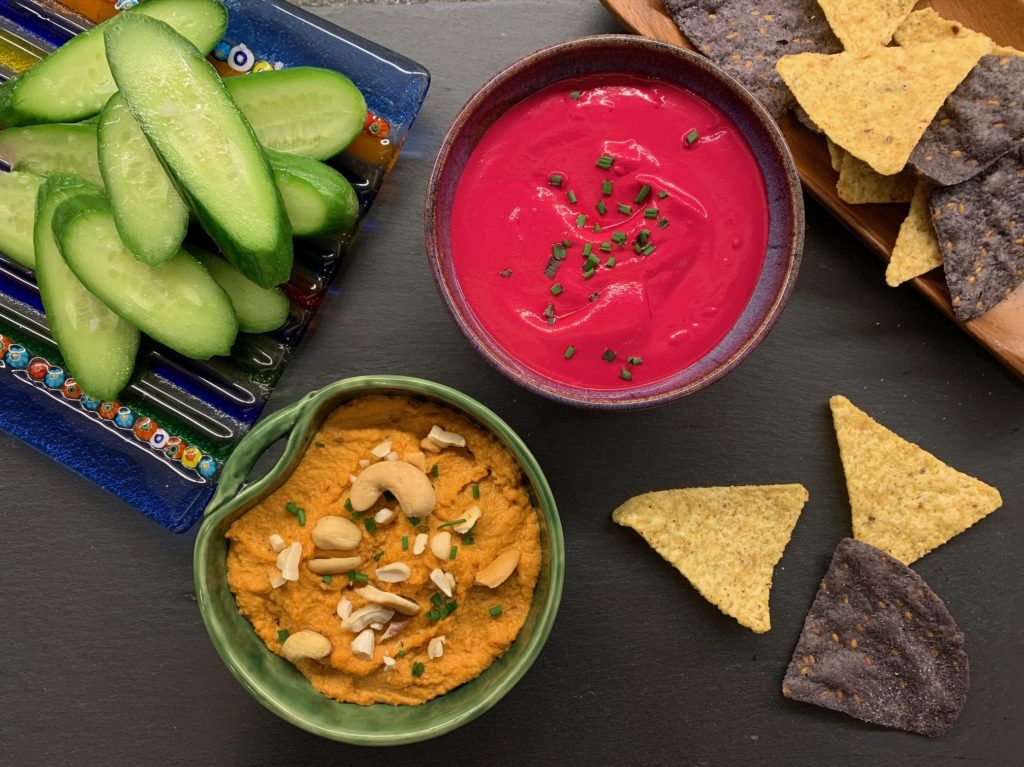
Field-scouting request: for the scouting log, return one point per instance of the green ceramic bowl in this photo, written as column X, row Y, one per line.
column 276, row 683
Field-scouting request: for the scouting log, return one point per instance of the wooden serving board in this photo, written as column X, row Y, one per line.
column 1000, row 330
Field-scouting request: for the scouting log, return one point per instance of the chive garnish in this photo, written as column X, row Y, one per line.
column 643, row 236
column 361, row 577
column 625, row 375
column 588, row 274
column 327, row 579
column 282, row 635
column 619, row 238
column 606, row 247
column 625, row 209
column 558, row 250
column 476, row 492
column 549, row 314
column 320, row 444
column 591, row 262
column 587, row 249
column 358, row 514
column 292, row 509
column 401, row 653
column 414, row 521
column 692, row 136
column 555, row 179
column 450, row 608
column 554, row 263
column 601, row 207
column 377, row 556
column 418, row 669
column 663, row 223
column 642, row 194
column 434, row 615
column 301, row 517
column 651, row 213
column 566, row 243
column 469, row 540
column 637, row 248
column 608, row 356
column 405, row 543
column 437, row 600
column 370, row 524
column 581, row 220
column 571, row 197
column 433, row 471
column 454, row 552
column 597, row 227
column 451, row 524
column 604, row 162
column 606, row 188
column 506, row 273
column 649, row 248
column 575, row 95
column 495, row 611
column 662, row 194
column 556, row 289
column 569, row 351
column 610, row 263
column 635, row 360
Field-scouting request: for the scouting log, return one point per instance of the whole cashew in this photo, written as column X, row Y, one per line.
column 410, row 486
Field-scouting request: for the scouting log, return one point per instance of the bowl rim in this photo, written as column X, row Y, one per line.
column 304, row 415
column 629, row 398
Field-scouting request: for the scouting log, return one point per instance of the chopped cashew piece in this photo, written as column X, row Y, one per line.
column 363, row 463
column 392, row 456
column 382, row 449
column 419, row 460
column 364, row 616
column 451, row 580
column 377, row 626
column 344, row 608
column 383, row 516
column 435, row 648
column 410, row 486
column 440, row 579
column 276, row 543
column 441, row 545
column 276, row 581
column 306, row 644
column 336, row 533
column 362, row 645
column 429, row 445
column 446, row 438
column 498, row 571
column 387, row 599
column 333, row 565
column 389, row 663
column 288, row 561
column 396, row 572
column 472, row 516
column 351, row 479
column 420, row 544
column 394, row 630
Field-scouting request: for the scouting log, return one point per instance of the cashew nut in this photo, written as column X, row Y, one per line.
column 382, row 449
column 362, row 645
column 418, row 459
column 446, row 438
column 364, row 616
column 333, row 565
column 387, row 599
column 276, row 543
column 394, row 629
column 435, row 648
column 441, row 545
column 383, row 516
column 410, row 486
column 420, row 544
column 337, row 533
column 442, row 581
column 288, row 561
column 396, row 572
column 472, row 516
column 429, row 445
column 498, row 571
column 306, row 644
column 344, row 608
column 389, row 663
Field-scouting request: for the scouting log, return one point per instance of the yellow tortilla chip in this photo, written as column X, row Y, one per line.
column 864, row 24
column 917, row 248
column 835, row 154
column 926, row 26
column 905, row 501
column 877, row 104
column 858, row 184
column 725, row 540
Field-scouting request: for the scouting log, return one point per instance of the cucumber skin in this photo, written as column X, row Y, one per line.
column 271, row 305
column 86, row 205
column 12, row 114
column 268, row 266
column 83, row 160
column 129, row 209
column 12, row 244
column 341, row 206
column 248, row 90
column 107, row 376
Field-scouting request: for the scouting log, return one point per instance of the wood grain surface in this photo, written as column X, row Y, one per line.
column 1000, row 330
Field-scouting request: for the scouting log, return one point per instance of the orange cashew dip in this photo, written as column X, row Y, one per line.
column 398, row 560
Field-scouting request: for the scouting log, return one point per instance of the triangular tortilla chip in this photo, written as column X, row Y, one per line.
column 905, row 501
column 926, row 26
column 865, row 24
column 835, row 154
column 879, row 645
column 917, row 249
column 859, row 184
column 877, row 104
column 725, row 540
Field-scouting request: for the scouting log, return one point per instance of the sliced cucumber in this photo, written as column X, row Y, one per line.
column 150, row 214
column 205, row 143
column 58, row 148
column 259, row 310
column 98, row 347
column 318, row 199
column 18, row 192
column 74, row 81
column 176, row 303
column 304, row 110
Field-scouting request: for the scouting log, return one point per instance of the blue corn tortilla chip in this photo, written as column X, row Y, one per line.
column 981, row 121
column 980, row 228
column 879, row 645
column 746, row 38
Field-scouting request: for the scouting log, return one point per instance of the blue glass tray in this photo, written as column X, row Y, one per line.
column 161, row 446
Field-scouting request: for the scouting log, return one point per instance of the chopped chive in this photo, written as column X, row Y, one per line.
column 469, row 540
column 606, row 188
column 434, row 615
column 555, row 179
column 587, row 249
column 651, row 213
column 476, row 492
column 571, row 197
column 594, row 296
column 556, row 289
column 566, row 243
column 377, row 556
column 361, row 577
column 327, row 579
column 401, row 653
column 301, row 517
column 358, row 514
column 625, row 375
column 558, row 251
column 405, row 543
column 691, row 137
column 370, row 524
column 637, row 248
column 597, row 227
column 606, row 247
column 433, row 471
column 495, row 611
column 625, row 209
column 635, row 360
column 605, row 161
column 663, row 223
column 649, row 248
column 320, row 444
column 591, row 262
column 292, row 509
column 581, row 220
column 506, row 273
column 608, row 356
column 569, row 351
column 451, row 524
column 610, row 263
column 575, row 95
column 282, row 635
column 619, row 238
column 455, row 551
column 450, row 608
column 437, row 600
column 588, row 274
column 601, row 207
column 414, row 521
column 549, row 314
column 662, row 194
column 418, row 669
column 642, row 194
column 554, row 264
column 643, row 236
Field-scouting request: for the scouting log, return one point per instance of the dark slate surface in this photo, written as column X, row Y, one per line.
column 105, row 659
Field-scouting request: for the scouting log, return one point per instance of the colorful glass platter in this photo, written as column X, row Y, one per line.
column 161, row 446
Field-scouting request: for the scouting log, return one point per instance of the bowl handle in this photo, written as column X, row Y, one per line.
column 232, row 485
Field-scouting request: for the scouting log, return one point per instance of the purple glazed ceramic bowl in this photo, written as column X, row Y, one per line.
column 635, row 55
